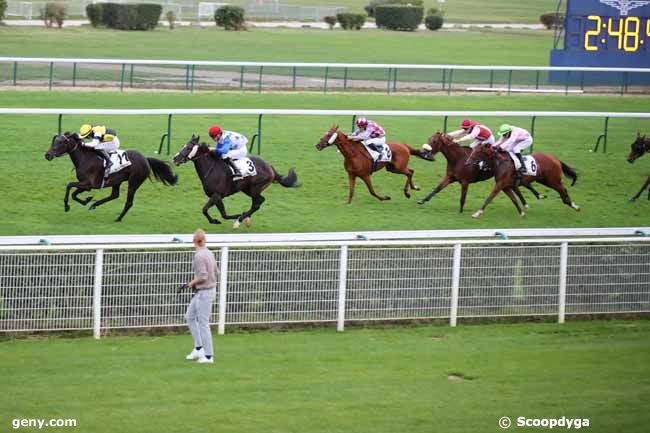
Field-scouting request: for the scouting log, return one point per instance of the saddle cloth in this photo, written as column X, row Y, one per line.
column 120, row 160
column 245, row 166
column 529, row 162
column 384, row 156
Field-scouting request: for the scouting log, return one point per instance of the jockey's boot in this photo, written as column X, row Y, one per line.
column 236, row 174
column 522, row 168
column 104, row 155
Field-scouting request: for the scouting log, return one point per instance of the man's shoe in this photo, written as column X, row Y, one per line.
column 204, row 360
column 195, row 354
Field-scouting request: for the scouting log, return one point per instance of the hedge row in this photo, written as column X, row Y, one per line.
column 350, row 21
column 398, row 17
column 3, row 8
column 140, row 16
column 370, row 8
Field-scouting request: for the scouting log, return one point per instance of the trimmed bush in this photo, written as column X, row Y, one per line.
column 3, row 8
column 94, row 13
column 140, row 16
column 350, row 21
column 331, row 21
column 370, row 8
column 230, row 18
column 433, row 22
column 435, row 11
column 53, row 13
column 398, row 17
column 552, row 20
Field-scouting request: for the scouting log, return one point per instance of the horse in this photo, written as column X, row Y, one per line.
column 549, row 173
column 216, row 177
column 89, row 168
column 640, row 146
column 458, row 171
column 359, row 163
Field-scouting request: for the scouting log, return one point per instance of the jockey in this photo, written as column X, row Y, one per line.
column 473, row 131
column 230, row 146
column 370, row 134
column 514, row 140
column 102, row 139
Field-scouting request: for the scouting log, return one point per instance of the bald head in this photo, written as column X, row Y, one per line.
column 199, row 238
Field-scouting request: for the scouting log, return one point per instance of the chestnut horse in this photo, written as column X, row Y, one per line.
column 639, row 147
column 549, row 173
column 458, row 171
column 359, row 163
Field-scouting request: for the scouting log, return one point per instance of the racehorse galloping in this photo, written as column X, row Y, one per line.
column 549, row 173
column 215, row 175
column 458, row 171
column 90, row 172
column 359, row 163
column 640, row 146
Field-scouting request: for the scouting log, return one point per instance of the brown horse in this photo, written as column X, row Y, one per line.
column 640, row 146
column 90, row 172
column 458, row 171
column 549, row 173
column 359, row 163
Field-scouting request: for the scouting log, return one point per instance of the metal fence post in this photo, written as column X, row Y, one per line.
column 15, row 72
column 259, row 84
column 51, row 75
column 327, row 70
column 491, row 78
column 390, row 73
column 97, row 294
column 293, row 80
column 509, row 81
column 223, row 284
column 74, row 74
column 345, row 78
column 187, row 77
column 395, row 80
column 343, row 276
column 192, row 80
column 455, row 284
column 451, row 75
column 131, row 75
column 122, row 78
column 564, row 253
column 537, row 80
column 241, row 78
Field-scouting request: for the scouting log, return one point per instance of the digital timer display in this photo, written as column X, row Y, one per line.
column 607, row 34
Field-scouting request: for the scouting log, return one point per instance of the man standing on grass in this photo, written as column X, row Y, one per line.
column 204, row 286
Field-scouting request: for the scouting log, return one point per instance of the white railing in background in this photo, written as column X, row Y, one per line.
column 307, row 278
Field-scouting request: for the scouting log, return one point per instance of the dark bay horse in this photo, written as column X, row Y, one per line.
column 549, row 173
column 215, row 175
column 458, row 170
column 640, row 146
column 359, row 163
column 90, row 172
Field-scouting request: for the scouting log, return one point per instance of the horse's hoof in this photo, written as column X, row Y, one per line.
column 407, row 195
column 575, row 206
column 523, row 214
column 248, row 221
column 236, row 224
column 632, row 200
column 93, row 207
column 66, row 207
column 416, row 187
column 421, row 201
column 386, row 197
column 215, row 222
column 526, row 206
column 541, row 197
column 477, row 214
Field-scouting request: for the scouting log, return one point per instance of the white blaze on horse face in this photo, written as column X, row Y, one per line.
column 332, row 138
column 193, row 152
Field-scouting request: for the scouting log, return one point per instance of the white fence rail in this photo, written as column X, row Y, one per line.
column 102, row 287
column 251, row 75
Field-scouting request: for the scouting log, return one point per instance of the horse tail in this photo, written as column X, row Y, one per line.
column 288, row 181
column 416, row 152
column 162, row 171
column 569, row 172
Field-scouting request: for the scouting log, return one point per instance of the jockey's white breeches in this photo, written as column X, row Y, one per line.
column 242, row 152
column 379, row 142
column 109, row 146
column 520, row 145
column 476, row 142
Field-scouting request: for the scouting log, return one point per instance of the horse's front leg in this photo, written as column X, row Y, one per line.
column 211, row 202
column 521, row 197
column 495, row 191
column 638, row 194
column 371, row 189
column 445, row 181
column 352, row 180
column 511, row 195
column 76, row 193
column 68, row 187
